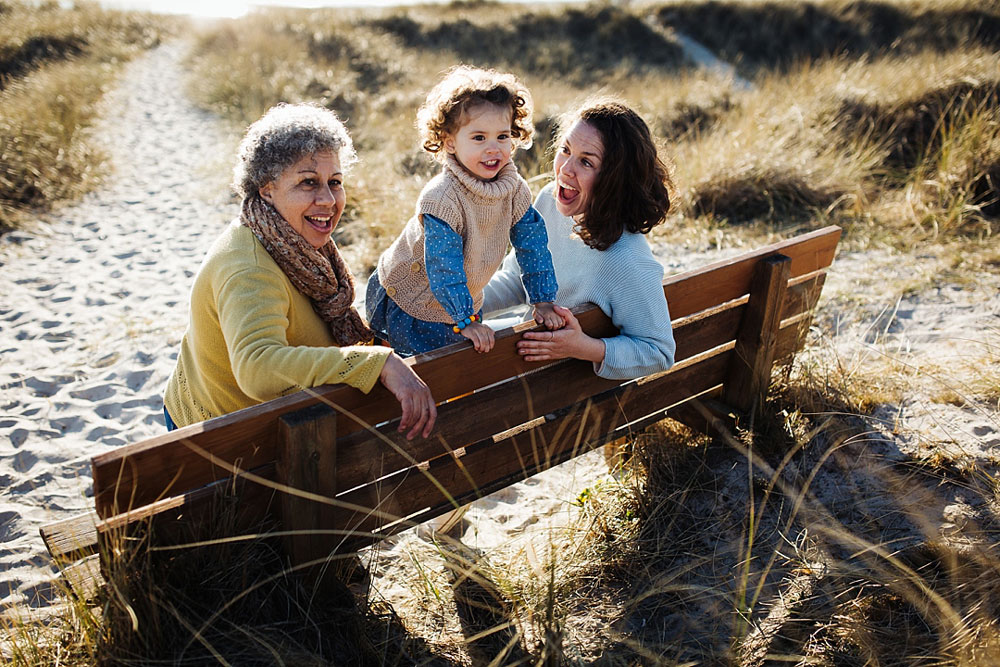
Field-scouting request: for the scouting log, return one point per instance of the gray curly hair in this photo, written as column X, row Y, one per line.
column 282, row 137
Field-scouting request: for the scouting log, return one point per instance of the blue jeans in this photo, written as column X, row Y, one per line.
column 171, row 426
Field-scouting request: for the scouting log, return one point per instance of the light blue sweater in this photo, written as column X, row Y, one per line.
column 625, row 281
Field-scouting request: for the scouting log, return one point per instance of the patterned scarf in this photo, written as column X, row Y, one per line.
column 320, row 274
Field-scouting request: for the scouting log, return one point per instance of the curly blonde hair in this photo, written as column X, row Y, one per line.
column 464, row 88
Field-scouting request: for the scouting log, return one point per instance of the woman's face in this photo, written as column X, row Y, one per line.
column 310, row 196
column 577, row 163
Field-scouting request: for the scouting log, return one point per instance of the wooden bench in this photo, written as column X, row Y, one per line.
column 328, row 466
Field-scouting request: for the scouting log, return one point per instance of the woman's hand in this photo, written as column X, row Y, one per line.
column 413, row 395
column 568, row 342
column 545, row 313
column 480, row 335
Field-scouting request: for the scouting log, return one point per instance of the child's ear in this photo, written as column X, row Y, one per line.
column 449, row 144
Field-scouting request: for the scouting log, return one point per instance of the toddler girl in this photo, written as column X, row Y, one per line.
column 428, row 288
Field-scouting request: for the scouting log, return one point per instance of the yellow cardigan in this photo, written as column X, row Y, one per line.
column 252, row 337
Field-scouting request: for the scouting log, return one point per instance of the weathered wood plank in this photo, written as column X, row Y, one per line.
column 551, row 440
column 721, row 281
column 750, row 373
column 71, row 539
column 226, row 508
column 84, row 578
column 306, row 470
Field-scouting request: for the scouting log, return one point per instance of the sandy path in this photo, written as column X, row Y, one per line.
column 94, row 303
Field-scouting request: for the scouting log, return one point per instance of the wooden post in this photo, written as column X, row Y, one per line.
column 307, row 457
column 750, row 374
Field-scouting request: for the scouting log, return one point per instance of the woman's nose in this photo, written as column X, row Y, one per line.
column 324, row 195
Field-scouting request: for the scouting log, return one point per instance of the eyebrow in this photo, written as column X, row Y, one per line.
column 591, row 153
column 313, row 171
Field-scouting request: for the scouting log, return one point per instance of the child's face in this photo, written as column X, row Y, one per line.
column 483, row 143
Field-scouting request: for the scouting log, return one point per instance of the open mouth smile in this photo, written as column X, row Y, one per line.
column 321, row 223
column 566, row 193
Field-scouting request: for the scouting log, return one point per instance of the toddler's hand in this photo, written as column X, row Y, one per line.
column 545, row 313
column 480, row 335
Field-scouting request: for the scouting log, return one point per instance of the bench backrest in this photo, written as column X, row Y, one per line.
column 508, row 419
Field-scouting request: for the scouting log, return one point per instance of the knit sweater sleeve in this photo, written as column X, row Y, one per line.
column 633, row 297
column 253, row 315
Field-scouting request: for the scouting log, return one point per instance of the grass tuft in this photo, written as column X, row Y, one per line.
column 55, row 64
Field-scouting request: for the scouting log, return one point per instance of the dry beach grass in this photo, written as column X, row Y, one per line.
column 55, row 65
column 857, row 525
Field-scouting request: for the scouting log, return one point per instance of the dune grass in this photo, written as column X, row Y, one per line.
column 814, row 540
column 55, row 64
column 886, row 125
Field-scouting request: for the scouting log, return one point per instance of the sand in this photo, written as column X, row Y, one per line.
column 95, row 301
column 94, row 305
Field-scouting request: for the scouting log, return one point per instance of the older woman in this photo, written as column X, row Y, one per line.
column 271, row 305
column 610, row 189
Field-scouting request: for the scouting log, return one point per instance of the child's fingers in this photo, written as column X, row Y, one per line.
column 487, row 339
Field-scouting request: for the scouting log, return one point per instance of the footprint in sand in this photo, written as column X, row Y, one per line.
column 110, row 411
column 18, row 436
column 137, row 380
column 66, row 425
column 97, row 392
column 47, row 388
column 8, row 527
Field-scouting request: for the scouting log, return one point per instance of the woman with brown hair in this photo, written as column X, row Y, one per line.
column 610, row 189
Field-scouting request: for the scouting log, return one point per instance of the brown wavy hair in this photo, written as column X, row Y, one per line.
column 463, row 88
column 633, row 188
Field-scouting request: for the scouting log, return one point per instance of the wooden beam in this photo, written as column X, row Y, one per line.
column 750, row 373
column 307, row 474
column 71, row 539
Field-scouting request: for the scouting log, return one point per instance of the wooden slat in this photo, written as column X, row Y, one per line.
column 71, row 539
column 481, row 463
column 801, row 297
column 226, row 508
column 721, row 281
column 144, row 472
column 84, row 578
